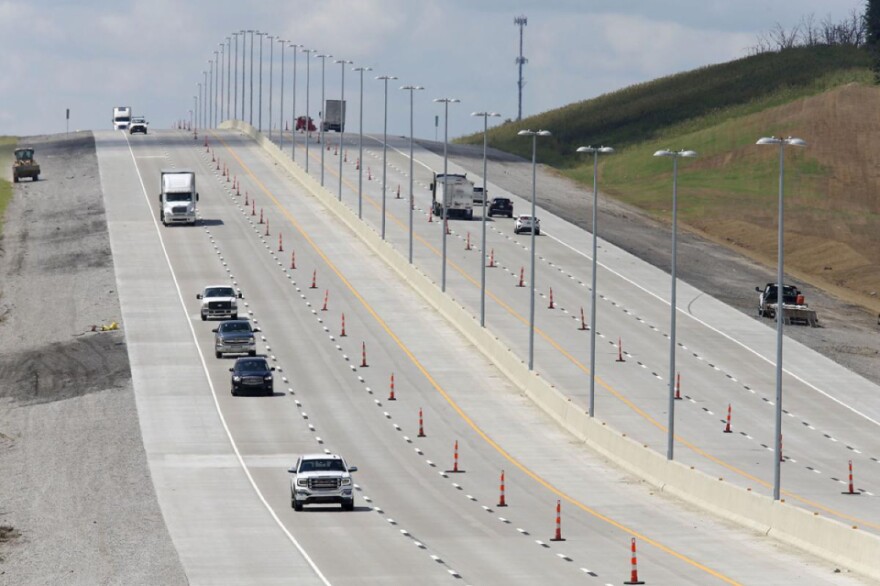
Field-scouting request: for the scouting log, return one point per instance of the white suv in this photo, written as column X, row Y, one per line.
column 525, row 223
column 219, row 301
column 321, row 478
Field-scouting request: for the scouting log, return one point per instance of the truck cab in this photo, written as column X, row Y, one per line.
column 178, row 197
column 121, row 117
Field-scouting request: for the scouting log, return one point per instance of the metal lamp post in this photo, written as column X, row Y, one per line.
column 209, row 96
column 411, row 89
column 342, row 63
column 670, row 427
column 780, row 276
column 323, row 58
column 595, row 151
column 251, row 80
column 534, row 134
column 295, row 47
column 222, row 78
column 235, row 79
column 204, row 100
column 228, row 74
column 196, row 111
column 385, row 78
column 361, row 143
column 445, row 102
column 260, row 86
column 308, row 53
column 243, row 34
column 281, row 100
column 271, row 76
column 485, row 116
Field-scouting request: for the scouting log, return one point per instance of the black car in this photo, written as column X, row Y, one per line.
column 501, row 206
column 252, row 375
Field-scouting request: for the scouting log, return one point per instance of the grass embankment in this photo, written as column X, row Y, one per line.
column 7, row 145
column 824, row 95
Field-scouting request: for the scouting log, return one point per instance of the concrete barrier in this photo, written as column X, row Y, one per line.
column 821, row 536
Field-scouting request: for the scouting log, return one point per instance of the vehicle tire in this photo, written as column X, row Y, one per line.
column 537, row 232
column 348, row 505
column 234, row 394
column 297, row 506
column 218, row 354
column 204, row 317
column 234, row 316
column 252, row 352
column 36, row 177
column 15, row 178
column 490, row 214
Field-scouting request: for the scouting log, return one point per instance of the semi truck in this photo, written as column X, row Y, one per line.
column 334, row 116
column 458, row 193
column 177, row 197
column 121, row 117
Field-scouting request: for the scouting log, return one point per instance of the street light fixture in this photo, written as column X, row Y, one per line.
column 281, row 113
column 222, row 62
column 412, row 89
column 670, row 428
column 210, row 94
column 385, row 78
column 361, row 143
column 534, row 134
column 342, row 63
column 260, row 85
column 780, row 283
column 204, row 100
column 485, row 116
column 228, row 74
column 243, row 34
column 595, row 151
column 235, row 79
column 251, row 80
column 308, row 53
column 445, row 102
column 295, row 47
column 323, row 57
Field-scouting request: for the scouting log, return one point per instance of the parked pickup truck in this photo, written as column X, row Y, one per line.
column 794, row 308
column 219, row 301
column 321, row 478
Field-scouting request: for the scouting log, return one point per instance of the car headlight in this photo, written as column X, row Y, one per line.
column 251, row 340
column 302, row 481
column 236, row 378
column 346, row 481
column 268, row 377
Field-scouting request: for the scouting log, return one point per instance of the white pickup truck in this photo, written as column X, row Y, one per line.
column 219, row 301
column 321, row 478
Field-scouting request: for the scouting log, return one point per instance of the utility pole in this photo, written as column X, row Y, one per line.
column 521, row 22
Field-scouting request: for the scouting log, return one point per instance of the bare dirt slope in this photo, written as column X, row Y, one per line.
column 849, row 332
column 78, row 505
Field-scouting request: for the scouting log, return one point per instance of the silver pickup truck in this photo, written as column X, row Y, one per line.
column 321, row 478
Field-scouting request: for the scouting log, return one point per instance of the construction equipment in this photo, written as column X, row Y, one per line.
column 794, row 309
column 25, row 165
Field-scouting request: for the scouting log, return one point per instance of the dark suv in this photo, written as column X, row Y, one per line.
column 501, row 206
column 235, row 336
column 252, row 375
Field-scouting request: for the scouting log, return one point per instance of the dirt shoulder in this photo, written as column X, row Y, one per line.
column 78, row 504
column 849, row 332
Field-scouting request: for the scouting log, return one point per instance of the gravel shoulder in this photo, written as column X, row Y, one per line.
column 78, row 503
column 848, row 333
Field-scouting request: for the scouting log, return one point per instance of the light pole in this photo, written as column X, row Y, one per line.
column 196, row 110
column 780, row 284
column 445, row 102
column 342, row 63
column 361, row 144
column 235, row 79
column 385, row 78
column 411, row 89
column 595, row 151
column 251, row 80
column 281, row 101
column 534, row 134
column 228, row 74
column 210, row 94
column 260, row 86
column 323, row 57
column 308, row 53
column 216, row 70
column 243, row 56
column 670, row 428
column 271, row 65
column 222, row 77
column 293, row 46
column 204, row 100
column 485, row 116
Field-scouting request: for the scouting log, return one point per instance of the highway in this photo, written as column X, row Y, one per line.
column 219, row 462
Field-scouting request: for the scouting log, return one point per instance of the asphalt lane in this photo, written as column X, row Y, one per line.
column 413, row 518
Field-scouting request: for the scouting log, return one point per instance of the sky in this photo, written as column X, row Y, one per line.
column 89, row 56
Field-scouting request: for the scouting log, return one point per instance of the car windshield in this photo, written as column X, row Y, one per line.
column 186, row 196
column 235, row 326
column 252, row 364
column 219, row 292
column 322, row 466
